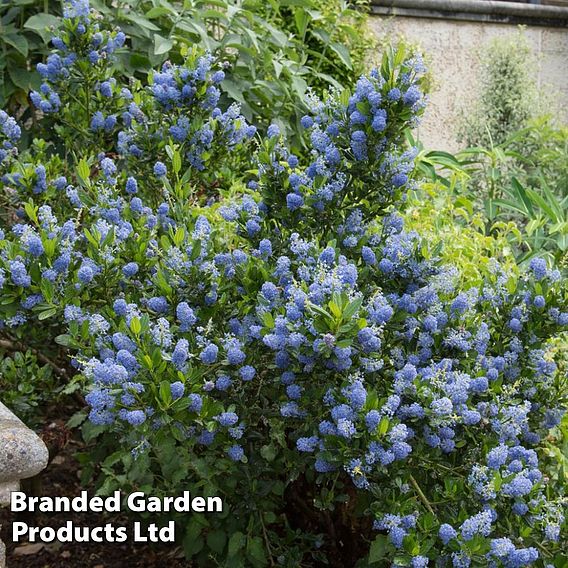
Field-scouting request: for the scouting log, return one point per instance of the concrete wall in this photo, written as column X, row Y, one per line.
column 453, row 49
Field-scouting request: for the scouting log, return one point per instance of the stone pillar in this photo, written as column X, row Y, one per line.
column 22, row 455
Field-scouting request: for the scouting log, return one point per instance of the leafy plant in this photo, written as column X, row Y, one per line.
column 272, row 52
column 23, row 38
column 508, row 96
column 524, row 180
column 281, row 340
column 543, row 216
column 458, row 232
column 335, row 37
column 26, row 384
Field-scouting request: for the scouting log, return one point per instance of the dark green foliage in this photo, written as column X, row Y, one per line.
column 275, row 51
column 25, row 383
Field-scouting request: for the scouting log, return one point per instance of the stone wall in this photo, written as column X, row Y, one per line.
column 22, row 455
column 453, row 49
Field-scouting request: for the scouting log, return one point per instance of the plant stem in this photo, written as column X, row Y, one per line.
column 15, row 346
column 266, row 539
column 423, row 497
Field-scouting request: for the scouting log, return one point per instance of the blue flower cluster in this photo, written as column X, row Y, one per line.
column 356, row 149
column 318, row 332
column 82, row 41
column 10, row 133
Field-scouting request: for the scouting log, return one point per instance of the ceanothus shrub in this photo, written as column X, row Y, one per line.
column 288, row 346
column 90, row 114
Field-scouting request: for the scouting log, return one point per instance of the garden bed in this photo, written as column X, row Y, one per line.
column 61, row 478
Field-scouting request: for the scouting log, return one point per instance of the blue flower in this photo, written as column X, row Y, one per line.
column 130, row 269
column 236, row 452
column 131, row 185
column 105, row 89
column 85, row 274
column 135, row 417
column 442, row 406
column 412, row 96
column 294, row 201
column 273, row 131
column 447, row 533
column 307, row 445
column 265, row 248
column 368, row 256
column 538, row 267
column 160, row 169
column 195, row 403
column 185, row 316
column 180, row 354
column 218, row 77
column 209, row 354
column 227, row 419
column 372, row 419
column 223, row 383
column 269, row 291
column 158, row 304
column 307, row 121
column 478, row 524
column 108, row 167
column 98, row 121
column 247, row 373
column 497, row 457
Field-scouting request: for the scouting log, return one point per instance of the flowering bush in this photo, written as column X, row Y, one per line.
column 274, row 51
column 287, row 344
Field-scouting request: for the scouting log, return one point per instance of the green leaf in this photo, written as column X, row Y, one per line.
column 255, row 549
column 47, row 314
column 31, row 211
column 83, row 171
column 352, row 308
column 378, row 549
column 553, row 201
column 343, row 54
column 277, row 35
column 161, row 44
column 541, row 202
column 497, row 481
column 23, row 78
column 234, row 90
column 216, row 541
column 165, row 392
column 64, row 340
column 522, row 194
column 268, row 320
column 90, row 431
column 444, row 159
column 176, row 162
column 135, row 325
column 300, row 85
column 383, row 425
column 302, row 18
column 159, row 11
column 76, row 420
column 41, row 22
column 509, row 205
column 236, row 543
column 335, row 309
column 142, row 22
column 268, row 452
column 18, row 41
